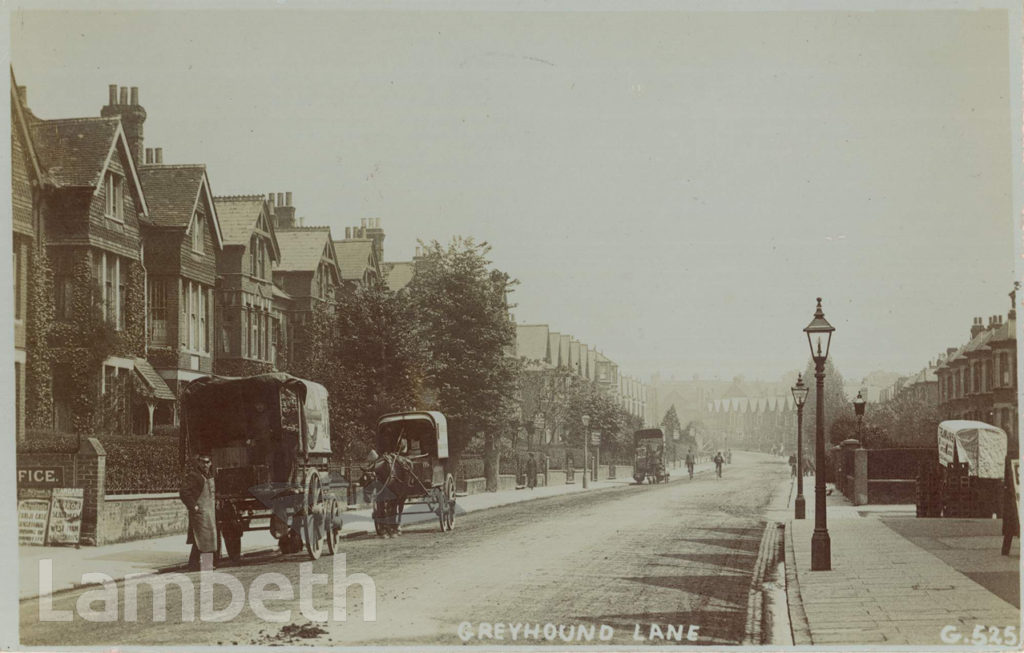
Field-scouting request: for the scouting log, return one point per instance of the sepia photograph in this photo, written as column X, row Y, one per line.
column 514, row 325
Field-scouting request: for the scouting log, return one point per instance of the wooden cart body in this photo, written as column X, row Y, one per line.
column 649, row 456
column 270, row 441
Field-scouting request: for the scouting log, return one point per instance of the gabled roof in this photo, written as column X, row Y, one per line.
column 173, row 191
column 532, row 342
column 21, row 124
column 355, row 256
column 239, row 217
column 399, row 274
column 303, row 248
column 77, row 151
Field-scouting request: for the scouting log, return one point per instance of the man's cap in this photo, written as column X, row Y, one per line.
column 203, row 458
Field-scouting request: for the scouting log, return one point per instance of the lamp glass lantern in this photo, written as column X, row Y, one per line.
column 817, row 329
column 858, row 405
column 800, row 391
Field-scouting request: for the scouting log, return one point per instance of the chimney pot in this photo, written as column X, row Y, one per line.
column 280, row 199
column 348, row 233
column 270, row 199
column 113, row 94
column 149, row 155
column 124, row 95
column 288, row 198
column 301, row 219
column 135, row 95
column 159, row 155
column 363, row 223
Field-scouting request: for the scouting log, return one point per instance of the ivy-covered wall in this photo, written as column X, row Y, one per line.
column 240, row 367
column 79, row 345
column 38, row 323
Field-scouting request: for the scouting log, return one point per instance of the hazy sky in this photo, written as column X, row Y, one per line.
column 674, row 188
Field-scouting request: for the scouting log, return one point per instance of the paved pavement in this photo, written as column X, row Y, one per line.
column 900, row 580
column 67, row 564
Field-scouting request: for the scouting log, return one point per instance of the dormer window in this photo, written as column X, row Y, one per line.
column 197, row 233
column 113, row 186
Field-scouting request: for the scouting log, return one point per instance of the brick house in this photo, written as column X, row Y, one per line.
column 181, row 249
column 308, row 272
column 27, row 181
column 247, row 320
column 360, row 254
column 90, row 326
column 979, row 379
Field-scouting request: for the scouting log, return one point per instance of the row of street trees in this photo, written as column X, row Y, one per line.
column 441, row 343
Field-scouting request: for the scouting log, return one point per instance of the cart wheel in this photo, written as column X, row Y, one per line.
column 440, row 499
column 333, row 526
column 449, row 503
column 312, row 523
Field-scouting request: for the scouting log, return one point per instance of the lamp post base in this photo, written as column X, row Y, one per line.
column 800, row 507
column 821, row 551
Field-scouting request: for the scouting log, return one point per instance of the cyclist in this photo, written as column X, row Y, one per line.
column 718, row 464
column 689, row 462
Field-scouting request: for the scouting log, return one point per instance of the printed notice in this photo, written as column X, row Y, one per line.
column 65, row 516
column 32, row 515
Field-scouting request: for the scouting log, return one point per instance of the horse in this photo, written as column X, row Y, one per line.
column 393, row 481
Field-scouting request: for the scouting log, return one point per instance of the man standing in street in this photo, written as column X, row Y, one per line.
column 197, row 493
column 531, row 472
column 718, row 464
column 689, row 462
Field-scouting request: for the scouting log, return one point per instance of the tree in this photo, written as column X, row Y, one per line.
column 836, row 401
column 363, row 349
column 670, row 423
column 462, row 314
column 910, row 419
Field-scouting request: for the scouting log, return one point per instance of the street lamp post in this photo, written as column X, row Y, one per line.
column 858, row 409
column 821, row 544
column 799, row 397
column 586, row 449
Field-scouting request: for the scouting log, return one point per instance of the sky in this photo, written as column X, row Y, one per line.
column 674, row 188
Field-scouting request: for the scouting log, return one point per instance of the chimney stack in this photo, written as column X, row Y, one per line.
column 376, row 234
column 284, row 212
column 132, row 117
column 301, row 220
column 362, row 223
column 977, row 327
column 159, row 155
column 348, row 233
column 149, row 155
column 270, row 200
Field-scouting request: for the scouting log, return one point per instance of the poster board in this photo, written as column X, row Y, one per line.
column 982, row 446
column 33, row 517
column 65, row 525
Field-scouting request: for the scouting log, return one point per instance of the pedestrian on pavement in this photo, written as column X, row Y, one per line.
column 1011, row 520
column 792, row 465
column 531, row 472
column 197, row 493
column 689, row 462
column 728, row 456
column 718, row 463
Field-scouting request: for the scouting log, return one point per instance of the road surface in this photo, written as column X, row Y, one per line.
column 637, row 565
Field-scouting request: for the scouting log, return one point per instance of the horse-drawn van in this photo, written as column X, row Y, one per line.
column 269, row 438
column 412, row 468
column 649, row 456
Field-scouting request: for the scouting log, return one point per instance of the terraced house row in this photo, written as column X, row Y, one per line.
column 131, row 277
